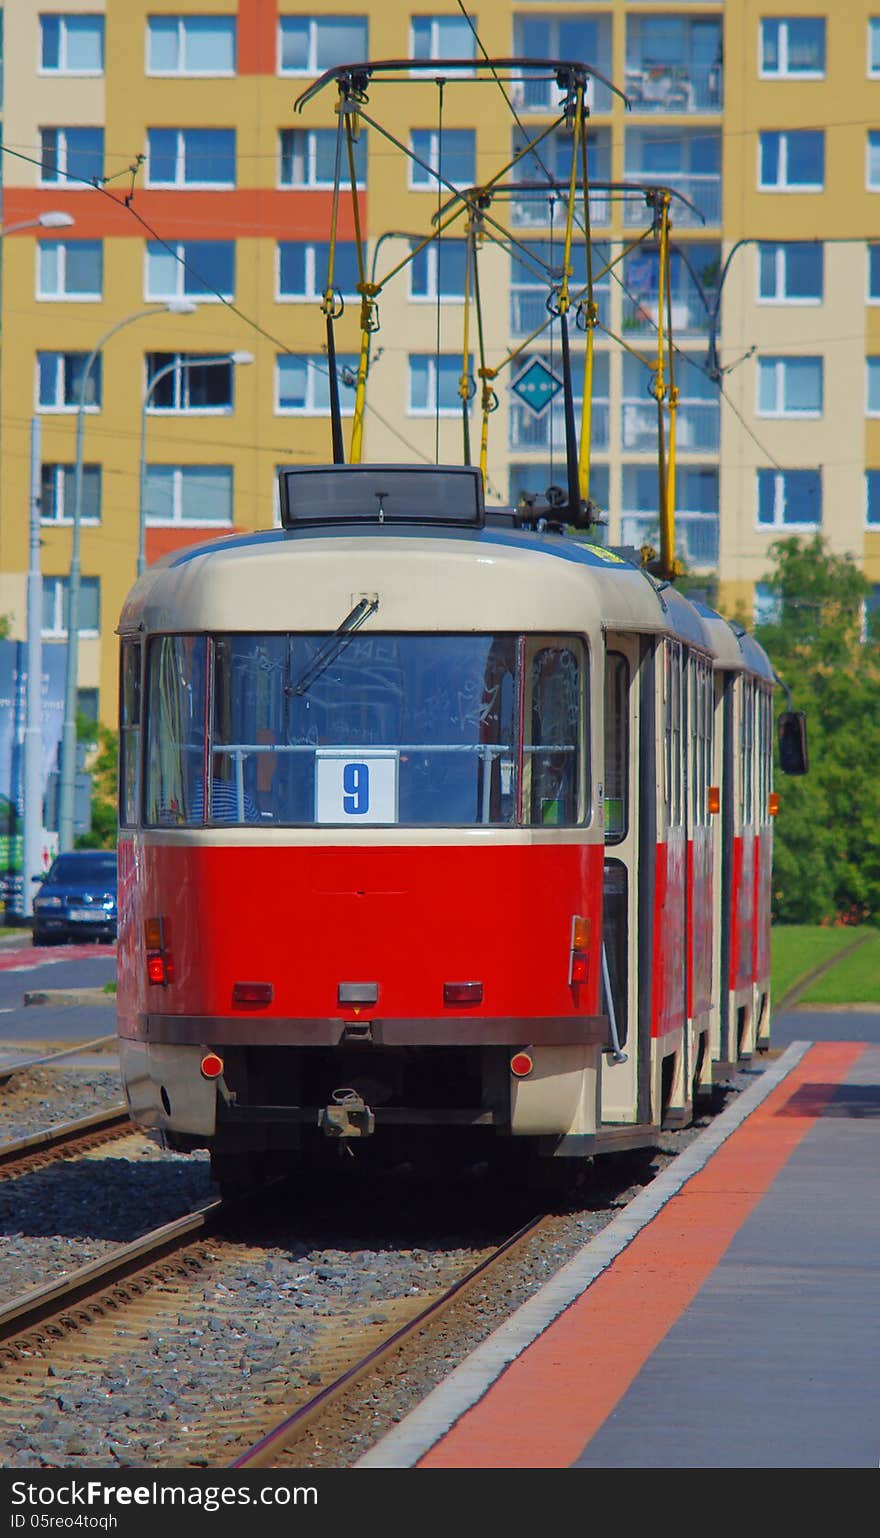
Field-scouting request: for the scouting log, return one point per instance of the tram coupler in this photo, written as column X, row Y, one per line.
column 348, row 1116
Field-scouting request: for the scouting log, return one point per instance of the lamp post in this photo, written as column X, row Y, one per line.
column 168, row 368
column 54, row 219
column 67, row 776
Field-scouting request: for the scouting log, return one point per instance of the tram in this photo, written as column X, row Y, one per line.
column 437, row 822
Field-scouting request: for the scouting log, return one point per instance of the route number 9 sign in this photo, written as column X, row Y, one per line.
column 355, row 786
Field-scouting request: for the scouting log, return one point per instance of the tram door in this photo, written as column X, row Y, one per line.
column 624, row 1069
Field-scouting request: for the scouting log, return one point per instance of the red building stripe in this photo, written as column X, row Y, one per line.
column 241, row 213
column 257, row 32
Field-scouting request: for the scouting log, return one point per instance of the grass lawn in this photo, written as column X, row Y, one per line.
column 795, row 949
column 854, row 980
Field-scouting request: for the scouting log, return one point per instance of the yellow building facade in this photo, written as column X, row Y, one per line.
column 190, row 259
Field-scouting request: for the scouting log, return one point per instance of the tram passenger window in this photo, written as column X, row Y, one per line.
column 556, row 727
column 616, row 747
column 176, row 677
column 129, row 731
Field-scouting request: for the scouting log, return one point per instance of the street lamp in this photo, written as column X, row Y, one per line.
column 168, row 368
column 53, row 220
column 67, row 776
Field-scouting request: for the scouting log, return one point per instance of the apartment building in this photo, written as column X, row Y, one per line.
column 166, row 212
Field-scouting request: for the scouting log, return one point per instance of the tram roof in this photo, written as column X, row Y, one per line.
column 494, row 577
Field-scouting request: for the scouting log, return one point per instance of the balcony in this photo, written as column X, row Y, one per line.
column 665, row 88
column 703, row 191
column 530, row 432
column 531, row 210
column 697, row 427
column 696, row 536
column 528, row 307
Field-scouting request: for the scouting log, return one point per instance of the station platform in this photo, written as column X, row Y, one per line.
column 727, row 1318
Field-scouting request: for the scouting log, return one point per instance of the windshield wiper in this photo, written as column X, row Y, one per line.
column 334, row 645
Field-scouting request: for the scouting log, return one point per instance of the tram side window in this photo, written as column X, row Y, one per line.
column 701, row 740
column 673, row 757
column 557, row 719
column 747, row 755
column 616, row 747
column 129, row 731
column 176, row 718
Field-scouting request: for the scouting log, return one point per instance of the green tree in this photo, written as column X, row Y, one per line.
column 104, row 769
column 827, row 840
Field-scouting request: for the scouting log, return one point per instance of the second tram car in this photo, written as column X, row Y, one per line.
column 435, row 823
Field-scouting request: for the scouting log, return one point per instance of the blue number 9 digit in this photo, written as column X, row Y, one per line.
column 356, row 788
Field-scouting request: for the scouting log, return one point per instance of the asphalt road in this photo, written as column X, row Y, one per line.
column 25, row 968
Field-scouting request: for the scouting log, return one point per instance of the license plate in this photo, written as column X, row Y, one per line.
column 87, row 916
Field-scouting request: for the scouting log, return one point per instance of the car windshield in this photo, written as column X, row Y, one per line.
column 84, row 867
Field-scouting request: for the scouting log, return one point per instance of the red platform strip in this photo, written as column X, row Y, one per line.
column 549, row 1403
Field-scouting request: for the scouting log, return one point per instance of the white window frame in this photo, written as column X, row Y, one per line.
column 178, row 247
column 59, row 354
column 312, row 67
column 63, row 518
column 63, row 173
column 315, row 291
column 316, row 364
column 180, row 160
column 785, row 72
column 180, row 378
column 432, row 409
column 423, row 65
column 311, row 157
column 779, row 411
column 779, row 523
column 63, row 295
column 63, row 68
column 191, row 74
column 431, row 296
column 178, row 519
column 781, row 296
column 432, row 179
column 58, row 585
column 784, row 185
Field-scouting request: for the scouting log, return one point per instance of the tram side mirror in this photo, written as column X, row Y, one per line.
column 793, row 742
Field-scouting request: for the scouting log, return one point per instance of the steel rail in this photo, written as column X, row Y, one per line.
column 274, row 1440
column 115, row 1116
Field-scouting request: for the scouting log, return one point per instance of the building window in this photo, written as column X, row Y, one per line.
column 308, row 158
column 191, row 386
column 72, row 45
column 532, row 478
column 442, row 37
column 872, row 404
column 872, row 172
column 71, row 154
column 303, row 267
column 59, row 381
column 766, row 605
column 69, row 269
column 452, row 155
column 872, row 499
column 302, row 383
column 307, row 45
column 190, row 269
column 793, row 161
column 87, row 705
column 188, row 494
column 548, row 36
column 789, row 387
column 874, row 46
column 191, row 157
column 438, row 271
column 434, row 382
column 789, row 499
column 58, row 493
column 56, row 606
column 874, row 274
column 791, row 272
column 190, row 45
column 792, row 47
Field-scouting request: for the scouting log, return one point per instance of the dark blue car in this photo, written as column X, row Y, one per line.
column 77, row 898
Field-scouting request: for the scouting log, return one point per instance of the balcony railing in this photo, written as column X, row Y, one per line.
column 674, row 88
column 544, row 95
column 689, row 317
column 697, row 426
column 532, row 210
column 528, row 308
column 704, row 192
column 530, row 432
column 696, row 535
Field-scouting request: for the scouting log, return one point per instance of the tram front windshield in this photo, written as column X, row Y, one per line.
column 352, row 729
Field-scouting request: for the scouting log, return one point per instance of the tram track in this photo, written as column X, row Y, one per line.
column 66, row 1140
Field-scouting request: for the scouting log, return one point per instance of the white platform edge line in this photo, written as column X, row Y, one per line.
column 466, row 1384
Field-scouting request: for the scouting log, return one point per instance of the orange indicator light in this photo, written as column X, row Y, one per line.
column 773, row 804
column 581, row 934
column 714, row 801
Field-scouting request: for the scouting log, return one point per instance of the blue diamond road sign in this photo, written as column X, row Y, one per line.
column 536, row 386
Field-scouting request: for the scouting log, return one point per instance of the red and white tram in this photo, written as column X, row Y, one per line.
column 432, row 823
